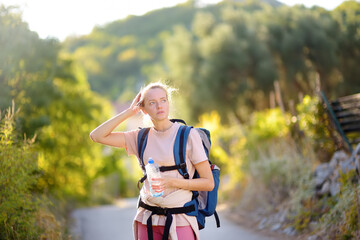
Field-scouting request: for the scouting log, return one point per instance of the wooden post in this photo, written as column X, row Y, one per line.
column 278, row 96
column 317, row 84
column 272, row 100
column 292, row 107
column 300, row 96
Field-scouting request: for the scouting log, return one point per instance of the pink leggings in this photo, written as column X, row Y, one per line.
column 183, row 233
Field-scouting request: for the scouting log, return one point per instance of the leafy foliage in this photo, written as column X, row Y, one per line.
column 227, row 55
column 314, row 122
column 20, row 206
column 232, row 66
column 266, row 167
column 57, row 110
column 57, row 105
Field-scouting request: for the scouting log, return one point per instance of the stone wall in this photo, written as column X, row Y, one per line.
column 327, row 175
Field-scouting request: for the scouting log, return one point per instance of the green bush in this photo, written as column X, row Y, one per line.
column 313, row 121
column 264, row 128
column 269, row 124
column 272, row 158
column 22, row 212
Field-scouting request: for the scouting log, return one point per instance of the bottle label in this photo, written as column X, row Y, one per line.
column 152, row 191
column 152, row 171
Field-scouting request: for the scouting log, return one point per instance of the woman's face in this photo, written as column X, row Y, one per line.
column 156, row 104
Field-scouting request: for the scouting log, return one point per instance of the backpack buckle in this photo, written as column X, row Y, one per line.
column 182, row 166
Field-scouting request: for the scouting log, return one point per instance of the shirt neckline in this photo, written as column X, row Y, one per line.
column 166, row 131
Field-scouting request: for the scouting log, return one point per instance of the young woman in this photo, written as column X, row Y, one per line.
column 153, row 101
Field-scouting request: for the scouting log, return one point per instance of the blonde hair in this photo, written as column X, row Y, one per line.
column 168, row 90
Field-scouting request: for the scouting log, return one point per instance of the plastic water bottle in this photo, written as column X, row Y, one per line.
column 153, row 171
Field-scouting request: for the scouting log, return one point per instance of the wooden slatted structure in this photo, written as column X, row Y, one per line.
column 345, row 114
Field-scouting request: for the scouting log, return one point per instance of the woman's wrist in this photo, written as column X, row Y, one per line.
column 130, row 112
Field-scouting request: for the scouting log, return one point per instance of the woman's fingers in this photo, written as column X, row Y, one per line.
column 138, row 97
column 135, row 106
column 136, row 100
column 158, row 184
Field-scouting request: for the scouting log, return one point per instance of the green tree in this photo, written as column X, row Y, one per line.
column 226, row 68
column 56, row 104
column 304, row 41
column 203, row 24
column 348, row 17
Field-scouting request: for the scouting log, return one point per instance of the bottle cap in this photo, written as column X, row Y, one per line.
column 151, row 161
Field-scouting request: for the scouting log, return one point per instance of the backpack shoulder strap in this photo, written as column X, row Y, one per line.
column 180, row 149
column 205, row 137
column 142, row 141
column 178, row 120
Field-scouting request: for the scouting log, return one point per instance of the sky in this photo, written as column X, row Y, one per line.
column 62, row 18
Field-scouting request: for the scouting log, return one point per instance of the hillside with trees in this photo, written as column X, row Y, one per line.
column 237, row 48
column 120, row 56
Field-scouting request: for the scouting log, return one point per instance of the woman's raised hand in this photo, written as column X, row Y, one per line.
column 135, row 105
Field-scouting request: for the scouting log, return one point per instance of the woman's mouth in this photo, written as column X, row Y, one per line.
column 160, row 112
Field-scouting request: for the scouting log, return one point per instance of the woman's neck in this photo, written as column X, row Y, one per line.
column 162, row 126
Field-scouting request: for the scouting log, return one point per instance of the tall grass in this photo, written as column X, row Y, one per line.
column 23, row 209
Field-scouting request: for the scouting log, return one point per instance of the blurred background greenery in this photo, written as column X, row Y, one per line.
column 248, row 71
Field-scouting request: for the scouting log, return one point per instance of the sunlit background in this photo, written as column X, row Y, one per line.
column 62, row 18
column 249, row 71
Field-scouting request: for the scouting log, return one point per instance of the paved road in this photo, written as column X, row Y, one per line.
column 115, row 223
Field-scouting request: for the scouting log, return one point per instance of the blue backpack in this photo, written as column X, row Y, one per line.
column 203, row 203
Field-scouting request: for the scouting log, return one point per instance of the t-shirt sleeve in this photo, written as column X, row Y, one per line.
column 196, row 150
column 131, row 142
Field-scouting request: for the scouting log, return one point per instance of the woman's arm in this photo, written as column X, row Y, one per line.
column 205, row 182
column 103, row 133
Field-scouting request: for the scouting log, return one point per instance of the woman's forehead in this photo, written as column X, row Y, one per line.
column 155, row 93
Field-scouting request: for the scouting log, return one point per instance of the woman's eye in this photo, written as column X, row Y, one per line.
column 164, row 100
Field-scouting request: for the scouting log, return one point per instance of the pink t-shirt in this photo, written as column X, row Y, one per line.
column 160, row 148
